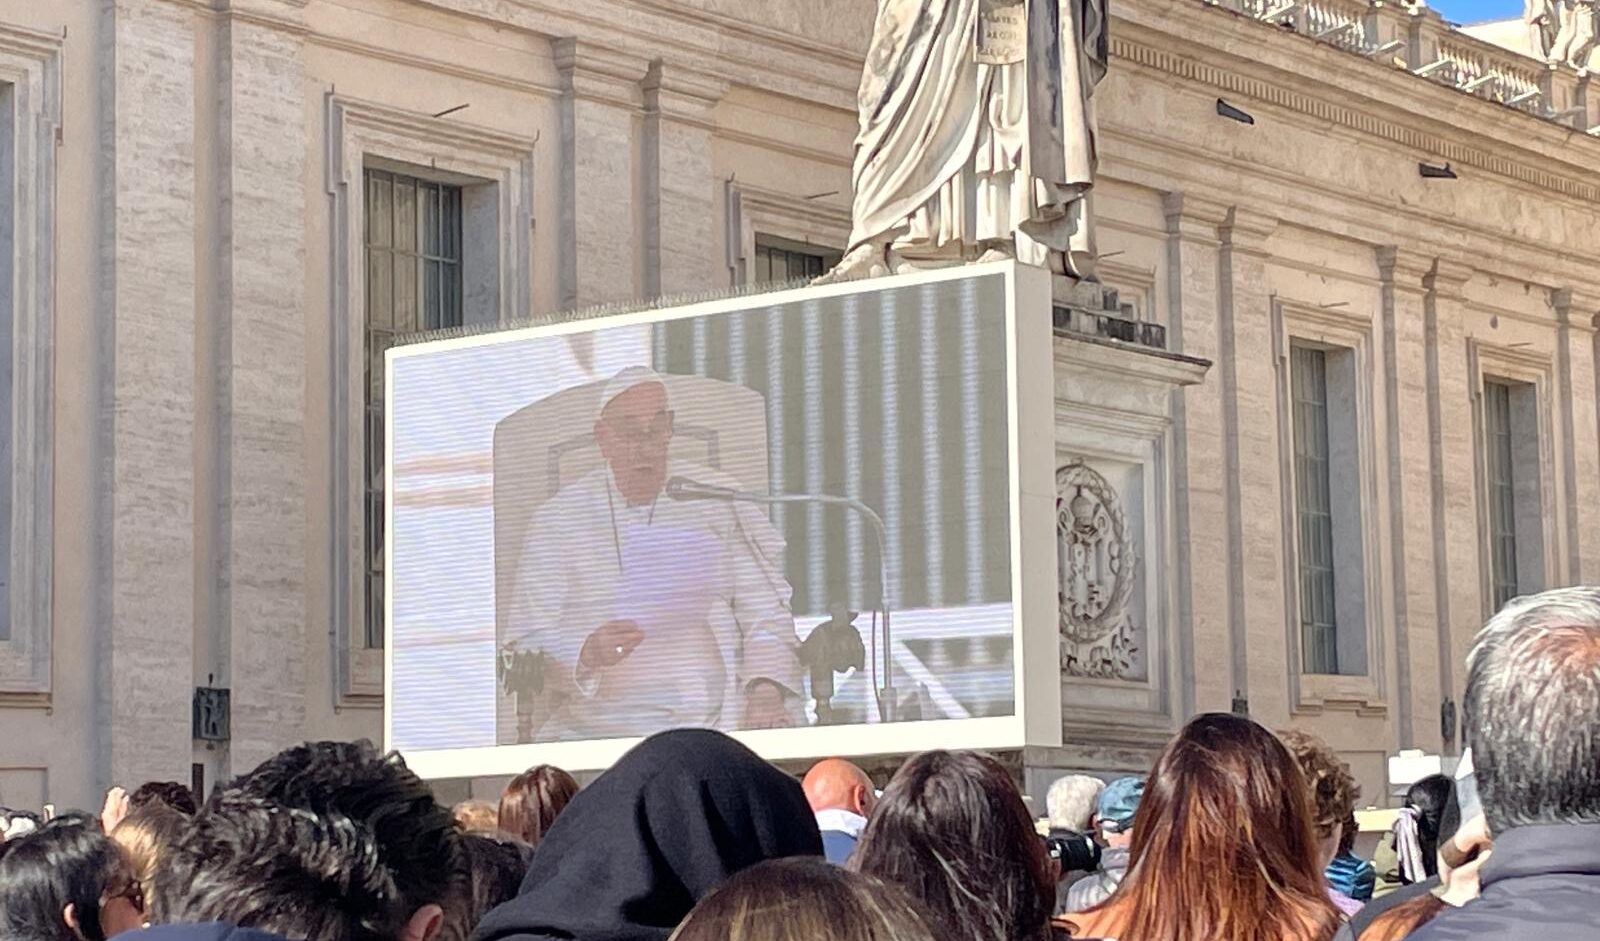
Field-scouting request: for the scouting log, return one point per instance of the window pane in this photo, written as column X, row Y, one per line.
column 432, row 296
column 405, row 214
column 1313, row 509
column 450, row 315
column 1502, row 491
column 405, row 293
column 773, row 264
column 452, row 223
column 432, row 219
column 374, row 611
column 380, row 209
column 380, row 288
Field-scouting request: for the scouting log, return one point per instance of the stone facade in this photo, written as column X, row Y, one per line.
column 186, row 336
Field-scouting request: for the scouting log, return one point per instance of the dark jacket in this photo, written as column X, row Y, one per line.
column 1539, row 884
column 635, row 850
column 207, row 931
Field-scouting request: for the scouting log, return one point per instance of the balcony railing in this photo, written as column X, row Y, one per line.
column 1417, row 39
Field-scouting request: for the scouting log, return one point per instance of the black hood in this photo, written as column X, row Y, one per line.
column 640, row 846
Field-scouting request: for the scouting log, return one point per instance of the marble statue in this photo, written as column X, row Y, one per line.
column 977, row 137
column 1541, row 19
column 1575, row 40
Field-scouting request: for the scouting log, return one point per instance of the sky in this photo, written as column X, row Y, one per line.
column 1476, row 11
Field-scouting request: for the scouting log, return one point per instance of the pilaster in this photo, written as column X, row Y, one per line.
column 1453, row 459
column 678, row 189
column 1409, row 472
column 1580, row 444
column 1249, row 383
column 601, row 259
column 144, row 449
column 258, row 338
column 1206, row 676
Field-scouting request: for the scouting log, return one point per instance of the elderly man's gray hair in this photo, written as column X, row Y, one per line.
column 1071, row 802
column 1533, row 710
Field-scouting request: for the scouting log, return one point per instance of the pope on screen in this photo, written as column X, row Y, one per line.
column 654, row 612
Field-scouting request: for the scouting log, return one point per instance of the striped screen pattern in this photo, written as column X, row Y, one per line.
column 897, row 399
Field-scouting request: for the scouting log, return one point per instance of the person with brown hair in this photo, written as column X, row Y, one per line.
column 476, row 816
column 803, row 899
column 145, row 835
column 1332, row 792
column 953, row 831
column 532, row 801
column 1224, row 846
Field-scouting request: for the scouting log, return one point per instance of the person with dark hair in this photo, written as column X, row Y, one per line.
column 417, row 842
column 803, row 900
column 635, row 850
column 532, row 800
column 1225, row 846
column 171, row 793
column 1532, row 708
column 1348, row 873
column 66, row 881
column 493, row 867
column 953, row 831
column 1408, row 854
column 311, row 876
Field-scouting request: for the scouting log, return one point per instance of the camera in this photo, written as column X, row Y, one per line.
column 1074, row 851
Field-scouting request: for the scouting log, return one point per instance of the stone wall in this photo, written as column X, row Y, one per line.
column 206, row 493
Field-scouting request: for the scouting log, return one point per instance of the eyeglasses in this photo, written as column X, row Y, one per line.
column 639, row 434
column 133, row 892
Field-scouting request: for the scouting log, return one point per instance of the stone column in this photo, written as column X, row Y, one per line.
column 1209, row 673
column 679, row 189
column 258, row 339
column 1458, row 592
column 1580, row 450
column 1410, row 477
column 601, row 259
column 1250, row 449
column 143, row 488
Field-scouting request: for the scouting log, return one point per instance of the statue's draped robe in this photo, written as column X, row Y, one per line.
column 953, row 153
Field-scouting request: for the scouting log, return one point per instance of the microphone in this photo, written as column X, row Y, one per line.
column 682, row 488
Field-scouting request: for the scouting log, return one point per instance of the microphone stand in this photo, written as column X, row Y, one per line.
column 689, row 490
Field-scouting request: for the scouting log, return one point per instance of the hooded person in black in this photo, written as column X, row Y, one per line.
column 634, row 851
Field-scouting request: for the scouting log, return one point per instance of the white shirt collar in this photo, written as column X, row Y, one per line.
column 841, row 821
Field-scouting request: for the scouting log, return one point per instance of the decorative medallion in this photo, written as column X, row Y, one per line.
column 1098, row 567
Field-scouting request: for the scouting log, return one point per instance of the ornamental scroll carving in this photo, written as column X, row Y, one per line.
column 1099, row 566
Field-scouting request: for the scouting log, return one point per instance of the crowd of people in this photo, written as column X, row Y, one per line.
column 1236, row 832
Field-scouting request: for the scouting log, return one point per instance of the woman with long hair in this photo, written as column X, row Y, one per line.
column 1223, row 846
column 953, row 832
column 1408, row 854
column 533, row 800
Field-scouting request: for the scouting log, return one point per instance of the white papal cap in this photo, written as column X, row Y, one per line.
column 629, row 378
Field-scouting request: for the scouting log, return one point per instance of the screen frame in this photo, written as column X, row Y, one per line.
column 1036, row 651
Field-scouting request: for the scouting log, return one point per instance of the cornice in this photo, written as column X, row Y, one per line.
column 1246, row 230
column 593, row 72
column 684, row 94
column 1194, row 218
column 1212, row 56
column 1447, row 278
column 1402, row 268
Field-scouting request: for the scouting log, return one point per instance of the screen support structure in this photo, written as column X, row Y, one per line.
column 681, row 488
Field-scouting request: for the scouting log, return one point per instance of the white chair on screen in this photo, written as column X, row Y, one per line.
column 542, row 447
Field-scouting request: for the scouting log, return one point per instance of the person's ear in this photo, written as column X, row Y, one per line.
column 423, row 925
column 860, row 800
column 70, row 916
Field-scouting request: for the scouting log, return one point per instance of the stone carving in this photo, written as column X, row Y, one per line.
column 977, row 137
column 1575, row 40
column 1540, row 17
column 1098, row 568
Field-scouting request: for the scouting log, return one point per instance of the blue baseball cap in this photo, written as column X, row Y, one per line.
column 1118, row 803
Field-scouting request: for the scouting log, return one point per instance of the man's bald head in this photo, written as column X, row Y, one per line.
column 836, row 784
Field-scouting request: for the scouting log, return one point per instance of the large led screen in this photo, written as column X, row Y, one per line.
column 789, row 511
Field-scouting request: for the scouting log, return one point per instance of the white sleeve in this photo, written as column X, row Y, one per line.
column 541, row 600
